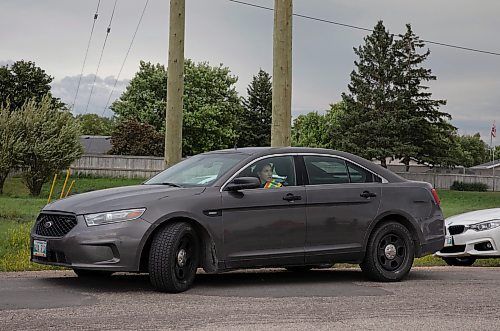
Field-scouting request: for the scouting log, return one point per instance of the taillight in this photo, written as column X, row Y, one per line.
column 436, row 197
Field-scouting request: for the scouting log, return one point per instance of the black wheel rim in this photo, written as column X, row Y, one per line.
column 184, row 261
column 391, row 252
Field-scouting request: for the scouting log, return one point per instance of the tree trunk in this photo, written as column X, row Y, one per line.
column 406, row 162
column 383, row 162
column 2, row 181
column 34, row 186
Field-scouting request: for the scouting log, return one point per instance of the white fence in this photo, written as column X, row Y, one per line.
column 147, row 166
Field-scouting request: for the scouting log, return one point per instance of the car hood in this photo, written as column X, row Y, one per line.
column 136, row 196
column 474, row 217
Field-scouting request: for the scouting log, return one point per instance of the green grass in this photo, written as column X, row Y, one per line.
column 18, row 210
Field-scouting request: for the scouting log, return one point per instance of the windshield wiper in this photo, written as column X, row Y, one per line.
column 170, row 184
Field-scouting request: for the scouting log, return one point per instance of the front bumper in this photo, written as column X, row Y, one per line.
column 111, row 247
column 473, row 243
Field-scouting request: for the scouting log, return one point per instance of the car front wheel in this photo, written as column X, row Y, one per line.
column 466, row 261
column 174, row 258
column 389, row 254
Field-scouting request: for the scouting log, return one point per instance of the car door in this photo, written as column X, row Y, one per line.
column 342, row 199
column 265, row 226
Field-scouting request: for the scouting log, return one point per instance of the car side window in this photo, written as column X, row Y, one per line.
column 326, row 170
column 360, row 175
column 273, row 172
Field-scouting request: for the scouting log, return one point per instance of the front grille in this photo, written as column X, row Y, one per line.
column 52, row 256
column 53, row 225
column 453, row 249
column 456, row 229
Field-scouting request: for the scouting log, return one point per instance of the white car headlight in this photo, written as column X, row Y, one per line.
column 113, row 216
column 488, row 225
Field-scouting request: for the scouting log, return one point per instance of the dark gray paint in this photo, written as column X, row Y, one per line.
column 253, row 227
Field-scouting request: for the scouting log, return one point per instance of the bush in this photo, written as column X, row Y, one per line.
column 50, row 142
column 461, row 186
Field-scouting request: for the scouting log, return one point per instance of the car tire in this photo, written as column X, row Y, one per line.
column 86, row 273
column 465, row 261
column 174, row 258
column 389, row 253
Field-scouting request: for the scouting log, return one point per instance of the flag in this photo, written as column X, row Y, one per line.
column 494, row 130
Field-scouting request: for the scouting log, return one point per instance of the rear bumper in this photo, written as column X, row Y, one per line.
column 112, row 247
column 431, row 247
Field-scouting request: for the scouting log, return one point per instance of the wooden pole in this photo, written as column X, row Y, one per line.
column 281, row 128
column 175, row 84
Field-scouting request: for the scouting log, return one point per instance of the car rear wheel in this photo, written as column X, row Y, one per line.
column 174, row 258
column 465, row 261
column 389, row 254
column 85, row 273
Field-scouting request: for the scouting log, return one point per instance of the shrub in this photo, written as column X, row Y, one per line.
column 461, row 186
column 50, row 142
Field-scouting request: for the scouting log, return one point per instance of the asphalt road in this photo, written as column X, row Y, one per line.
column 438, row 298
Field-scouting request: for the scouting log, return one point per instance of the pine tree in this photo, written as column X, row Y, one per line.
column 369, row 125
column 424, row 128
column 255, row 125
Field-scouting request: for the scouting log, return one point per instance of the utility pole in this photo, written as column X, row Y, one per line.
column 175, row 84
column 281, row 127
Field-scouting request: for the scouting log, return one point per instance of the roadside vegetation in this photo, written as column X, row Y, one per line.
column 18, row 211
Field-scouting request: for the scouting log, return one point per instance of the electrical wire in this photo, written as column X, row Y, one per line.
column 96, row 15
column 108, row 30
column 365, row 29
column 125, row 59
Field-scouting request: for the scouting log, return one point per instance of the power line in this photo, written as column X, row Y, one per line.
column 108, row 30
column 126, row 55
column 365, row 29
column 86, row 53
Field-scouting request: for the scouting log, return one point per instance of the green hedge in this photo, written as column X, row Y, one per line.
column 461, row 186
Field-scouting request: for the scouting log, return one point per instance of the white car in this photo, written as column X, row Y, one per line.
column 471, row 236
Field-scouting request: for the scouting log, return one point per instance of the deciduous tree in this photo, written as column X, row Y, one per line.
column 24, row 81
column 209, row 97
column 95, row 125
column 49, row 142
column 135, row 138
column 10, row 132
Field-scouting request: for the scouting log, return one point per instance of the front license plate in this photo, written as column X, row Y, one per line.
column 40, row 248
column 448, row 241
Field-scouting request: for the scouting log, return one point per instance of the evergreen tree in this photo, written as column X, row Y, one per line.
column 421, row 118
column 255, row 124
column 369, row 125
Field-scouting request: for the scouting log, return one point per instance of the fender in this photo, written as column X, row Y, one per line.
column 397, row 214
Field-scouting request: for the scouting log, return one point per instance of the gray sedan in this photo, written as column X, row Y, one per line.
column 297, row 208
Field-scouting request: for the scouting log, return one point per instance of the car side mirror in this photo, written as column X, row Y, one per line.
column 243, row 183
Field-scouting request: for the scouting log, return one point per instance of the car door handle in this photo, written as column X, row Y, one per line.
column 367, row 194
column 290, row 197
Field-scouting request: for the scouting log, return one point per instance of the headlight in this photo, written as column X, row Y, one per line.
column 488, row 225
column 113, row 216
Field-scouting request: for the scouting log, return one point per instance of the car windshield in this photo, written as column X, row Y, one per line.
column 199, row 170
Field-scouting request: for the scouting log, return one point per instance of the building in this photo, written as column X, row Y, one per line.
column 96, row 144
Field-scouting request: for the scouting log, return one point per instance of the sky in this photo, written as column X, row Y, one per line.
column 55, row 33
